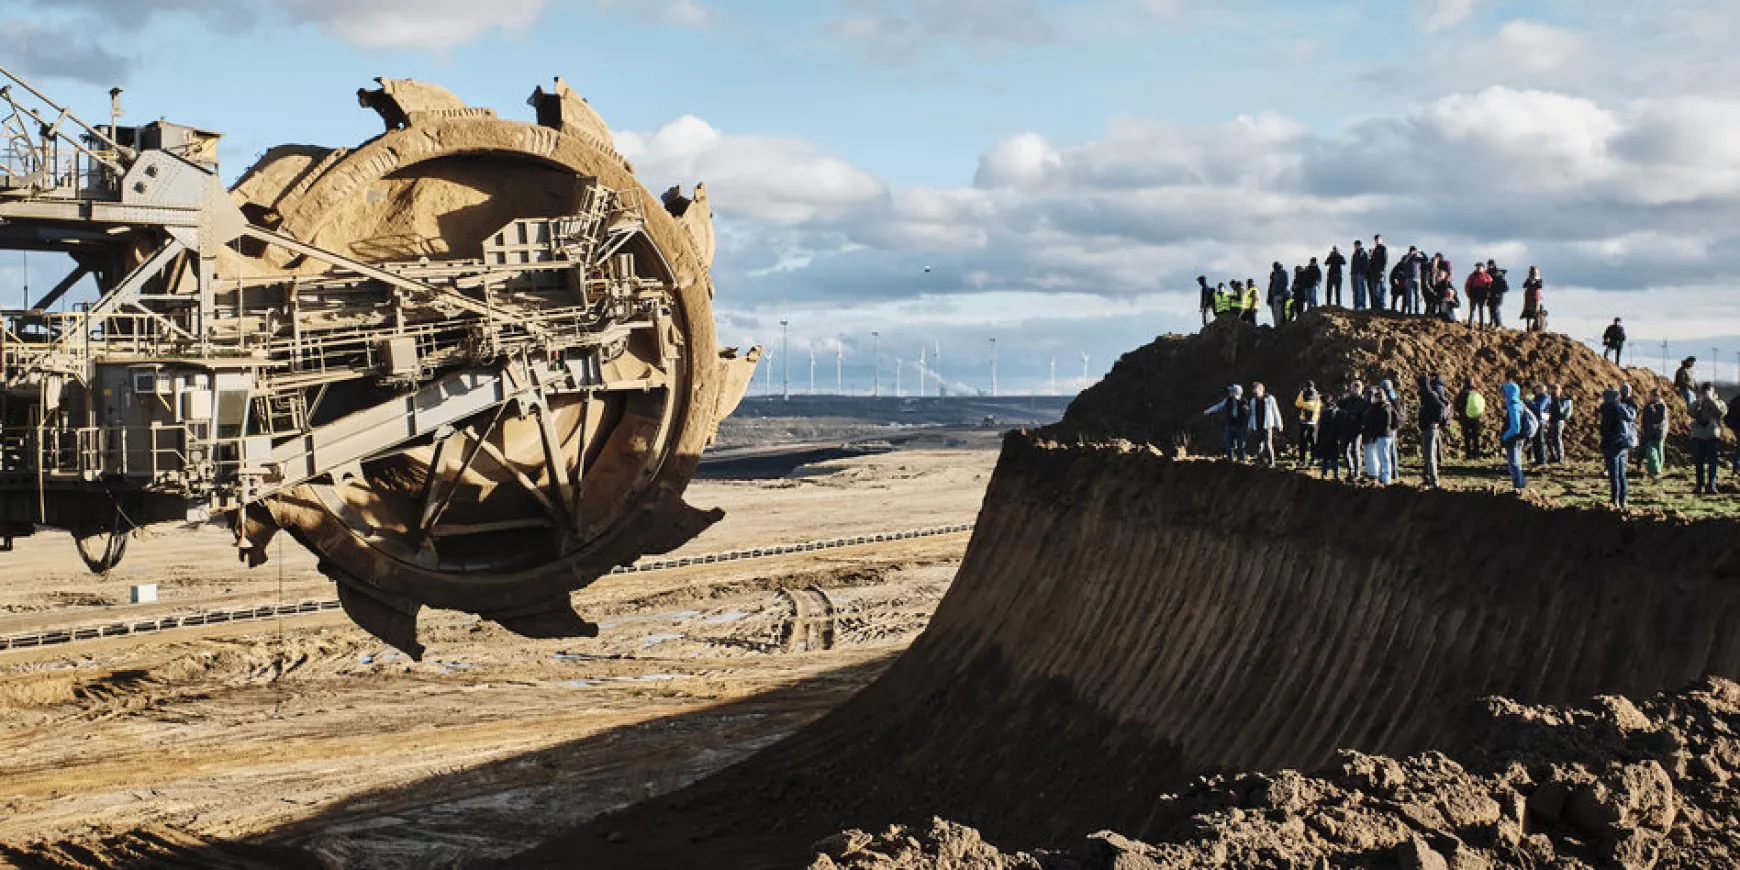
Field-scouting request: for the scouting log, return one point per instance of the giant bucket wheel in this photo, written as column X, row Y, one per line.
column 504, row 513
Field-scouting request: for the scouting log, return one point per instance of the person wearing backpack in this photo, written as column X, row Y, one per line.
column 1470, row 416
column 1520, row 427
column 1236, row 417
column 1558, row 414
column 1655, row 429
column 1707, row 415
column 1618, row 437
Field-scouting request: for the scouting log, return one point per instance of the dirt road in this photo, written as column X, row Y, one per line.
column 313, row 733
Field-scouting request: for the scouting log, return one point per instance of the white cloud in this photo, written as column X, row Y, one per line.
column 1022, row 160
column 688, row 14
column 1445, row 14
column 1538, row 47
column 781, row 181
column 890, row 30
column 435, row 25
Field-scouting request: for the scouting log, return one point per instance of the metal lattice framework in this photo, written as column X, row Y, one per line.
column 466, row 362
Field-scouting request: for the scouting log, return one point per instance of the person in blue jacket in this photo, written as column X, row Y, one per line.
column 1516, row 432
column 1618, row 437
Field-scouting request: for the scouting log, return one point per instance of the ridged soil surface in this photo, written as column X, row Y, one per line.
column 1123, row 622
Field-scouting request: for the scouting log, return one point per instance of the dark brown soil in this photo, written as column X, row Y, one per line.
column 1609, row 784
column 1124, row 623
column 1156, row 393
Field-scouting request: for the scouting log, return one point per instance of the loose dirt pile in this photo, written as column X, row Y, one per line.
column 1605, row 785
column 1124, row 623
column 1156, row 394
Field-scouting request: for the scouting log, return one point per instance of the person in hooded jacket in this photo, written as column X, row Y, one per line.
column 1313, row 280
column 1655, row 432
column 1515, row 432
column 1618, row 436
column 1434, row 413
column 1541, row 404
column 1205, row 299
column 1360, row 271
column 1236, row 417
column 1278, row 293
column 1301, row 291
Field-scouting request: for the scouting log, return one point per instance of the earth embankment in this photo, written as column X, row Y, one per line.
column 1123, row 622
column 1156, row 393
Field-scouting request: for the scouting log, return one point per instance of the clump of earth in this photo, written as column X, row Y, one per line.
column 1607, row 784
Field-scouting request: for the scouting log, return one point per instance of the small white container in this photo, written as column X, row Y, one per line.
column 145, row 594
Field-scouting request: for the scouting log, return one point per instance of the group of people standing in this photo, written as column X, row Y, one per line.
column 1414, row 284
column 1356, row 432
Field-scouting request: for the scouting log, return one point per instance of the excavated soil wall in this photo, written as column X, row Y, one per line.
column 1123, row 621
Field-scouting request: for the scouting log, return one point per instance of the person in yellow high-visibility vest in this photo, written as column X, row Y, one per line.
column 1250, row 303
column 1223, row 301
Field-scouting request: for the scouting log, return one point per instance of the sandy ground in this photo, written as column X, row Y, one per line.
column 309, row 731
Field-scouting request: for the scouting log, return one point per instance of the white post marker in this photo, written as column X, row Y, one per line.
column 145, row 593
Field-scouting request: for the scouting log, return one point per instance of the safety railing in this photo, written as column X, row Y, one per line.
column 148, row 452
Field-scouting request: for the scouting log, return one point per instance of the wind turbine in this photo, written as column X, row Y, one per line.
column 812, row 368
column 839, row 366
column 993, row 368
column 1084, row 369
column 1054, row 374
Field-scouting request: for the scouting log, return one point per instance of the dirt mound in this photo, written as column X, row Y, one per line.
column 1123, row 623
column 1156, row 394
column 1608, row 784
column 154, row 846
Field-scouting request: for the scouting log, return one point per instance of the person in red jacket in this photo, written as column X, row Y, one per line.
column 1534, row 316
column 1479, row 284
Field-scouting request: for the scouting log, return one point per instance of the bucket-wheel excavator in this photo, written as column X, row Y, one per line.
column 470, row 363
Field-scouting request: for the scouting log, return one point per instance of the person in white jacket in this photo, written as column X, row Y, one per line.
column 1265, row 422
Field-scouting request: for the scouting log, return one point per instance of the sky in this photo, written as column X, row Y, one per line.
column 1052, row 174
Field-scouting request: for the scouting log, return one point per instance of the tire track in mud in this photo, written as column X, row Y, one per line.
column 1123, row 622
column 123, row 628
